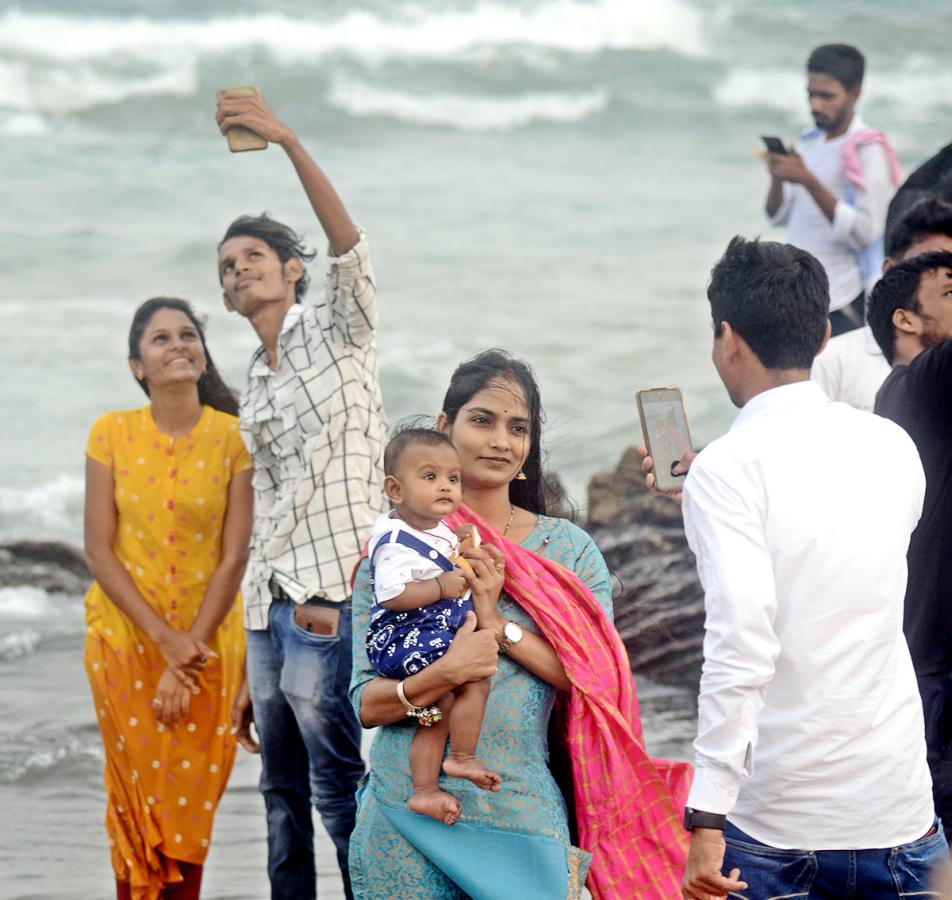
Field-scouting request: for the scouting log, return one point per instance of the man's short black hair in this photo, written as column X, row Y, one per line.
column 406, row 436
column 280, row 238
column 776, row 297
column 899, row 289
column 928, row 217
column 840, row 61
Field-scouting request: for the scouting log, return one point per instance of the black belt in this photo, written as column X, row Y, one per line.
column 278, row 592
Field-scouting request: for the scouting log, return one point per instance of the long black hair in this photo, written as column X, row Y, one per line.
column 481, row 372
column 212, row 390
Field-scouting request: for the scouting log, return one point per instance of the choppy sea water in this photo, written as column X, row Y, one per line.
column 553, row 176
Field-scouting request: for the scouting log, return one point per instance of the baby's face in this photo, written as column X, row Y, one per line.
column 429, row 484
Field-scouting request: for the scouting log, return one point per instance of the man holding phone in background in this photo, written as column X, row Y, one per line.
column 313, row 420
column 833, row 190
column 810, row 728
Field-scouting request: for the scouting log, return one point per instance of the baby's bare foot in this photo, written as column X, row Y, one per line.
column 471, row 769
column 435, row 803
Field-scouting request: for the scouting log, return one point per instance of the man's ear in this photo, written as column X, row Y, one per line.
column 293, row 270
column 443, row 424
column 393, row 489
column 228, row 304
column 906, row 321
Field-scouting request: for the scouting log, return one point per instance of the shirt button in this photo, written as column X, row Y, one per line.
column 433, row 554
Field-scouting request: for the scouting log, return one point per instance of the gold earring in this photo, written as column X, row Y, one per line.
column 521, row 476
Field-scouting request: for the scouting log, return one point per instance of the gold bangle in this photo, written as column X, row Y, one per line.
column 425, row 715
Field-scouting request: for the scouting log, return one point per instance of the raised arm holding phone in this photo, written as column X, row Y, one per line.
column 312, row 417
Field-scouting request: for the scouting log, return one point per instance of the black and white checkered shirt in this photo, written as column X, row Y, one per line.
column 316, row 430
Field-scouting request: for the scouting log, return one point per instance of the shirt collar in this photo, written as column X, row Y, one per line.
column 259, row 362
column 779, row 399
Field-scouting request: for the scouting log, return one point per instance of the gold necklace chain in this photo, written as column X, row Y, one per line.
column 512, row 512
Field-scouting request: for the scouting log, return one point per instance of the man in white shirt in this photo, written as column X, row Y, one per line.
column 313, row 420
column 810, row 750
column 852, row 367
column 832, row 192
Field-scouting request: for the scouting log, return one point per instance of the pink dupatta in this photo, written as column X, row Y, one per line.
column 629, row 807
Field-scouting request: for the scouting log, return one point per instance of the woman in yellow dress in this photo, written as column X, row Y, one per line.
column 168, row 519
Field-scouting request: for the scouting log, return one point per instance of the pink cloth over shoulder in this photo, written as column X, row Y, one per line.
column 851, row 164
column 629, row 807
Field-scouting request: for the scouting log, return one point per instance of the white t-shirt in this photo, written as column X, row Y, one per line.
column 854, row 227
column 852, row 368
column 396, row 565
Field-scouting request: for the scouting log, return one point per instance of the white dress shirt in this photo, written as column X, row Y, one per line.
column 316, row 430
column 854, row 227
column 810, row 731
column 852, row 368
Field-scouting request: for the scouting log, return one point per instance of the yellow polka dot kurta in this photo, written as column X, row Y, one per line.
column 163, row 784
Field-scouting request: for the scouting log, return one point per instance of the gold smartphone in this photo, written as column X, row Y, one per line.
column 239, row 137
column 315, row 619
column 665, row 429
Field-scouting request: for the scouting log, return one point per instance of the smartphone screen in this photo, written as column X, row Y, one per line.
column 774, row 144
column 665, row 429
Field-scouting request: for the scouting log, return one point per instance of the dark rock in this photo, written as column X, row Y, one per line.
column 49, row 565
column 659, row 610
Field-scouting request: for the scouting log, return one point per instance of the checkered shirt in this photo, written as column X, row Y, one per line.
column 316, row 429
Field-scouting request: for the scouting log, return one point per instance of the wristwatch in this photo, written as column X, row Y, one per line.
column 694, row 818
column 511, row 634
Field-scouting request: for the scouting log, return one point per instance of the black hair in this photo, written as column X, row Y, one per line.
column 405, row 436
column 775, row 296
column 480, row 372
column 285, row 242
column 927, row 217
column 840, row 61
column 212, row 389
column 899, row 289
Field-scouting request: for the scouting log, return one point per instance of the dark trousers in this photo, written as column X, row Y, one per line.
column 936, row 692
column 851, row 316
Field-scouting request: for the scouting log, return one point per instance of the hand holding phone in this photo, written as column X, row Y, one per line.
column 241, row 138
column 774, row 145
column 665, row 429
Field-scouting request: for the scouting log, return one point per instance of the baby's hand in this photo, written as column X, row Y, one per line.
column 453, row 584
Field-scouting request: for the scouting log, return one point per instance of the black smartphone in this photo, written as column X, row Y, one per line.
column 774, row 144
column 665, row 429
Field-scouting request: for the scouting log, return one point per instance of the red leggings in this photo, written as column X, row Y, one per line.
column 187, row 889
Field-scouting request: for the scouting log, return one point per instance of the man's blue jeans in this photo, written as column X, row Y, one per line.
column 310, row 744
column 890, row 872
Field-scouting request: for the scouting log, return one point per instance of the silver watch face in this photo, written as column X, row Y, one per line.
column 512, row 632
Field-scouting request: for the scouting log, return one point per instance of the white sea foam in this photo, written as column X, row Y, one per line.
column 571, row 25
column 15, row 644
column 70, row 747
column 23, row 602
column 467, row 112
column 52, row 510
column 915, row 89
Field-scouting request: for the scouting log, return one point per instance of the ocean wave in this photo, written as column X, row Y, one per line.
column 53, row 510
column 23, row 602
column 467, row 112
column 570, row 25
column 68, row 749
column 15, row 644
column 917, row 88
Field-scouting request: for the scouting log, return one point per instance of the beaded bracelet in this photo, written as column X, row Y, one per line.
column 425, row 715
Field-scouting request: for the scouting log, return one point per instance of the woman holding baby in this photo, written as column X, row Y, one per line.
column 542, row 632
